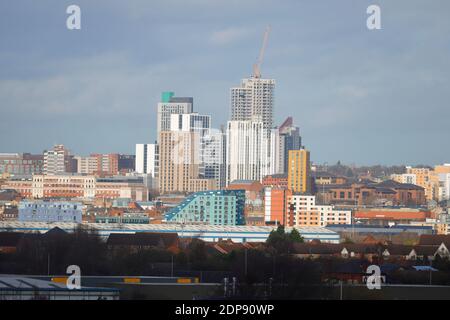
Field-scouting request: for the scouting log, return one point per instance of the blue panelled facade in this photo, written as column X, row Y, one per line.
column 217, row 207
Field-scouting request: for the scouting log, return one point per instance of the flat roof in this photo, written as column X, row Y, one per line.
column 365, row 226
column 21, row 283
column 167, row 227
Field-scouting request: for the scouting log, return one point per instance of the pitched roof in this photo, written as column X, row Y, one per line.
column 320, row 248
column 142, row 239
column 399, row 249
column 434, row 239
column 361, row 248
column 370, row 240
column 226, row 246
column 397, row 185
column 426, row 250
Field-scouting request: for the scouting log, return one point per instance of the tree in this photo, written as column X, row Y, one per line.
column 281, row 241
column 295, row 236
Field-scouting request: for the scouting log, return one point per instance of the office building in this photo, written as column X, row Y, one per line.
column 59, row 161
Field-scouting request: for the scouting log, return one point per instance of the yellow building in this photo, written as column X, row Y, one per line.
column 299, row 171
column 427, row 179
column 444, row 168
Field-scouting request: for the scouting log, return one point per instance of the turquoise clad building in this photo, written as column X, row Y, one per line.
column 216, row 207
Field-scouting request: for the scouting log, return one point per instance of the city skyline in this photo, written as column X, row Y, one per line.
column 329, row 90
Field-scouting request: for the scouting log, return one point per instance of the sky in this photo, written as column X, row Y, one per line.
column 359, row 96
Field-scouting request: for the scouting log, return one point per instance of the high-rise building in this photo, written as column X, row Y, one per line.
column 299, row 180
column 214, row 156
column 58, row 161
column 193, row 122
column 252, row 151
column 147, row 159
column 179, row 163
column 253, row 100
column 289, row 140
column 245, row 150
column 198, row 124
column 171, row 105
column 147, row 164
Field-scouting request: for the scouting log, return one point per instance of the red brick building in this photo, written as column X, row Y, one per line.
column 276, row 181
column 368, row 192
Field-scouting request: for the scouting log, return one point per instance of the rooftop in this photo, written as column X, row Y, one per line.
column 172, row 227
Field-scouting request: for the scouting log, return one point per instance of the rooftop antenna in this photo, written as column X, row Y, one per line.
column 257, row 65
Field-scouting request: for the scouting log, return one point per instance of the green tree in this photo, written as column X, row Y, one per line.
column 281, row 241
column 295, row 236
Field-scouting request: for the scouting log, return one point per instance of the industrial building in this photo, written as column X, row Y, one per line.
column 202, row 232
column 14, row 287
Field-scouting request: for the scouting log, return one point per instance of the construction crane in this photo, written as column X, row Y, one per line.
column 257, row 65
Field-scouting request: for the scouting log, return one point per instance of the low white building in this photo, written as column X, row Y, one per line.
column 307, row 213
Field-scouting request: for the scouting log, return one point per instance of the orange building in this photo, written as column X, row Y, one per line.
column 275, row 206
column 253, row 189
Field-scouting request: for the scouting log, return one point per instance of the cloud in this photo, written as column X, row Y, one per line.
column 340, row 82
